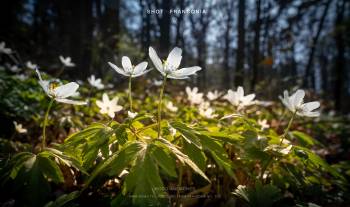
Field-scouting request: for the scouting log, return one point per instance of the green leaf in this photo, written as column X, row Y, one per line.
column 16, row 163
column 120, row 133
column 118, row 161
column 63, row 199
column 260, row 195
column 195, row 154
column 50, row 169
column 218, row 153
column 145, row 182
column 87, row 143
column 304, row 139
column 64, row 158
column 89, row 132
column 187, row 133
column 254, row 153
column 164, row 160
column 222, row 136
column 31, row 174
column 317, row 161
column 184, row 159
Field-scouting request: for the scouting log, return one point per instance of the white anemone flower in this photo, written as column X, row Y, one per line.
column 193, row 96
column 157, row 82
column 170, row 67
column 108, row 106
column 60, row 93
column 14, row 68
column 31, row 65
column 172, row 131
column 19, row 128
column 295, row 103
column 213, row 95
column 67, row 62
column 97, row 83
column 237, row 98
column 132, row 114
column 3, row 49
column 206, row 111
column 263, row 123
column 286, row 150
column 75, row 94
column 171, row 107
column 129, row 69
column 22, row 77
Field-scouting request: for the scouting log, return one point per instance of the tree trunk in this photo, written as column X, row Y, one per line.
column 324, row 72
column 180, row 19
column 81, row 38
column 164, row 26
column 227, row 40
column 239, row 76
column 340, row 59
column 256, row 52
column 309, row 73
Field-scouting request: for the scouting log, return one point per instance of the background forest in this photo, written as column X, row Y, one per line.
column 262, row 44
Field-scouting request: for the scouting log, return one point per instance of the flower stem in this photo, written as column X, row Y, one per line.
column 60, row 71
column 288, row 127
column 45, row 123
column 283, row 136
column 160, row 105
column 179, row 183
column 130, row 98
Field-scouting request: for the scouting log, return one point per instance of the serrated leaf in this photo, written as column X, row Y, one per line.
column 117, row 162
column 304, row 139
column 222, row 136
column 144, row 181
column 184, row 159
column 260, row 195
column 64, row 158
column 50, row 169
column 63, row 199
column 218, row 153
column 121, row 134
column 87, row 133
column 319, row 162
column 87, row 143
column 195, row 154
column 187, row 133
column 164, row 160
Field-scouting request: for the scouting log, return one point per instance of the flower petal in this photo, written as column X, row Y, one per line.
column 156, row 60
column 240, row 92
column 248, row 98
column 309, row 114
column 174, row 57
column 177, row 77
column 62, row 59
column 111, row 114
column 66, row 90
column 99, row 104
column 311, row 105
column 140, row 68
column 298, row 98
column 117, row 69
column 140, row 74
column 68, row 101
column 126, row 63
column 105, row 98
column 186, row 71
